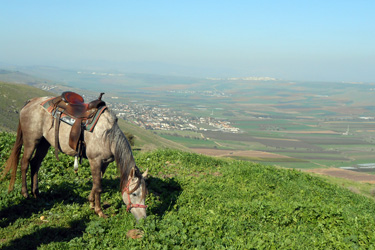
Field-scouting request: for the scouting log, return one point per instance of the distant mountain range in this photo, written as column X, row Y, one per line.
column 19, row 77
column 94, row 79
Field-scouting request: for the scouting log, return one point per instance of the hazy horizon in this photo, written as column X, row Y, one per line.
column 319, row 41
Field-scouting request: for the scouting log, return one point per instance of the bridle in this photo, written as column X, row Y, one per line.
column 130, row 205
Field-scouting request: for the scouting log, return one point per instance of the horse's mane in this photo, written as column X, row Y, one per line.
column 123, row 155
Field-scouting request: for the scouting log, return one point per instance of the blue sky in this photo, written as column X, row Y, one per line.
column 295, row 40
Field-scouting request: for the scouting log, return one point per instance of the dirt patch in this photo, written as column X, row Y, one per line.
column 244, row 153
column 310, row 132
column 276, row 139
column 346, row 174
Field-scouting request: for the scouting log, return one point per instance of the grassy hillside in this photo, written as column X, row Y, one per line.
column 12, row 98
column 195, row 202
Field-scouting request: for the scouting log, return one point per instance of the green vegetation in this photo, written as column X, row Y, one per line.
column 195, row 202
column 363, row 188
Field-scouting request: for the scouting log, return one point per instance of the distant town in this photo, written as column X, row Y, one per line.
column 210, row 93
column 160, row 117
column 163, row 118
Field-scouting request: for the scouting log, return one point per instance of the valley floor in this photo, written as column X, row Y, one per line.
column 346, row 174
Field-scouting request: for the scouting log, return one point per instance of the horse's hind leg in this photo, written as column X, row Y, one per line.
column 35, row 163
column 28, row 151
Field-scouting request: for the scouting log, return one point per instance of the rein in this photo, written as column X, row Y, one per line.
column 130, row 205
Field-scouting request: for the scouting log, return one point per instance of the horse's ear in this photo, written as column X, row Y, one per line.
column 132, row 173
column 145, row 174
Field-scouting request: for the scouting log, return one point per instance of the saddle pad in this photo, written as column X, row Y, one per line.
column 90, row 123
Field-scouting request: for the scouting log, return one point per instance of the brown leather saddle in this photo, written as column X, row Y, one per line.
column 73, row 105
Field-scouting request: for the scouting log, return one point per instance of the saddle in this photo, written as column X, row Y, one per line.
column 75, row 106
column 72, row 104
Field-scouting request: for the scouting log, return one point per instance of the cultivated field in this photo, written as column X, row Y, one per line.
column 308, row 125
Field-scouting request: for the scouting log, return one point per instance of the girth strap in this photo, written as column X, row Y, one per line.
column 75, row 134
column 57, row 126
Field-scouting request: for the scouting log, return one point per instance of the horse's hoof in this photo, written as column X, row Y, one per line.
column 102, row 215
column 36, row 194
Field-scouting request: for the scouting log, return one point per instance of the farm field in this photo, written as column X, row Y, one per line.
column 319, row 125
column 194, row 201
column 315, row 149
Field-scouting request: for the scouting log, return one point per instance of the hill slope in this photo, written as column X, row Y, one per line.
column 194, row 202
column 12, row 98
column 19, row 77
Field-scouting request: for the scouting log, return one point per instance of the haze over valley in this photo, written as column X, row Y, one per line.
column 299, row 124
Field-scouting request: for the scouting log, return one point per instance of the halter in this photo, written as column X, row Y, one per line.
column 130, row 205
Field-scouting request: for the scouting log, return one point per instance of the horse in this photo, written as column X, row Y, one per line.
column 105, row 144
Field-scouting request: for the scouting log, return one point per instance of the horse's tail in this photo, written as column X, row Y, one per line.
column 13, row 159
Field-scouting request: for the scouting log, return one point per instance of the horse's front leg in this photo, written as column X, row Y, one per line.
column 96, row 190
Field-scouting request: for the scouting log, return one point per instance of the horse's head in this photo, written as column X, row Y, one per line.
column 134, row 194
